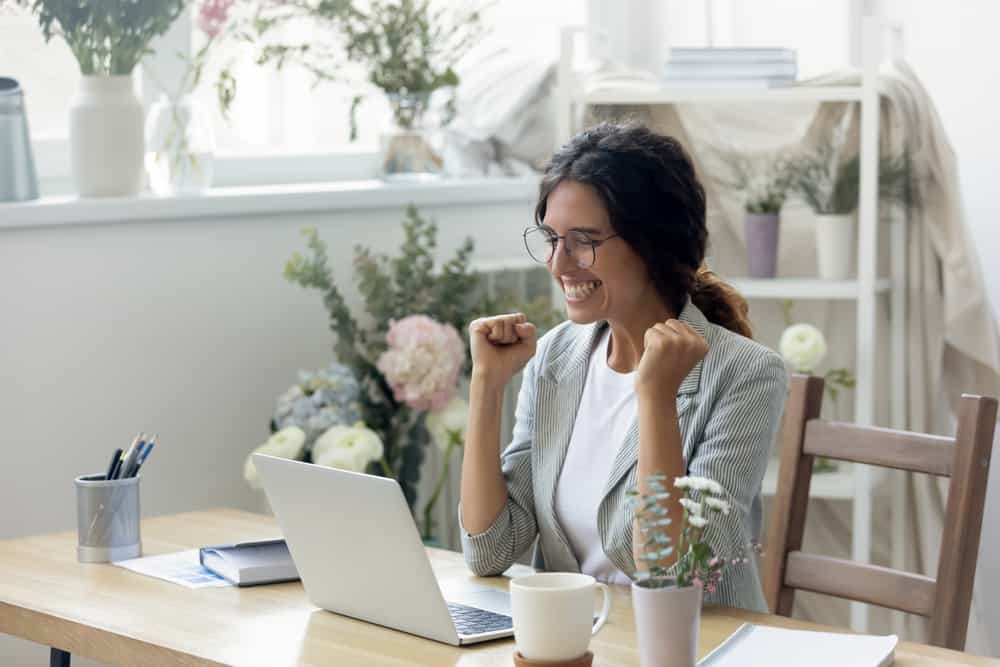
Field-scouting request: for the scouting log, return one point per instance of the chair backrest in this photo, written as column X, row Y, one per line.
column 965, row 458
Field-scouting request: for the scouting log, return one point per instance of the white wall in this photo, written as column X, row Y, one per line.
column 185, row 328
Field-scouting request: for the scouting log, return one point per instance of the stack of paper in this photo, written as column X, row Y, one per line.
column 731, row 67
column 762, row 646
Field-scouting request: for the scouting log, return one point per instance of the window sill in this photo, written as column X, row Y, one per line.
column 261, row 200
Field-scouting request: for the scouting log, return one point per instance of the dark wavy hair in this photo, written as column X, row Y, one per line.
column 657, row 205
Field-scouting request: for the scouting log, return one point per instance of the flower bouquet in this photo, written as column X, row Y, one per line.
column 696, row 565
column 399, row 370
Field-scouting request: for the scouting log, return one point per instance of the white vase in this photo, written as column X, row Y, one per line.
column 666, row 624
column 105, row 137
column 836, row 245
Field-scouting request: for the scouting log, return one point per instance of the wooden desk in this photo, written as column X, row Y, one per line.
column 123, row 618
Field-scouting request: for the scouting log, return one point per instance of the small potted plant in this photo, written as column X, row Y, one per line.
column 108, row 39
column 764, row 179
column 829, row 181
column 667, row 598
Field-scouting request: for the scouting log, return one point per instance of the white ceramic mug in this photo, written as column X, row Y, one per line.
column 553, row 614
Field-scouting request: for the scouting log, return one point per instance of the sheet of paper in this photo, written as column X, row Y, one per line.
column 181, row 568
column 761, row 646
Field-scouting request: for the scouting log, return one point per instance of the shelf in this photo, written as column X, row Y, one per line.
column 269, row 199
column 836, row 485
column 676, row 95
column 803, row 288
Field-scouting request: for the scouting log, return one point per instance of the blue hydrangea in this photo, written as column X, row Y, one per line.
column 320, row 399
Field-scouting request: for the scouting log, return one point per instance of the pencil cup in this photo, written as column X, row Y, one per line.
column 107, row 519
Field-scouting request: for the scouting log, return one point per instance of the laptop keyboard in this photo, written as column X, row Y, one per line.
column 472, row 621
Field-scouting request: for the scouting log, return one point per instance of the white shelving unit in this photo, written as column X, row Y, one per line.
column 853, row 483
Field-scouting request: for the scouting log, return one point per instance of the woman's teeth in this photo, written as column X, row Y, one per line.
column 581, row 291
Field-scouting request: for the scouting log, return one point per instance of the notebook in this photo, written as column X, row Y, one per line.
column 758, row 645
column 250, row 563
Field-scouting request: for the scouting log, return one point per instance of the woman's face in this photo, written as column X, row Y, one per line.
column 616, row 286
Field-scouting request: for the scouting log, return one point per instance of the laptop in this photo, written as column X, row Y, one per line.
column 358, row 552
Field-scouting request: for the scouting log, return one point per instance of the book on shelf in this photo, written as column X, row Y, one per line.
column 676, row 70
column 732, row 55
column 762, row 646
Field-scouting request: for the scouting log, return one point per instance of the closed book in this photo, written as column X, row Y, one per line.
column 732, row 55
column 250, row 563
column 762, row 646
column 730, row 70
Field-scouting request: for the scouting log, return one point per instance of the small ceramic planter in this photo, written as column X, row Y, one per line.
column 666, row 623
column 761, row 230
column 835, row 246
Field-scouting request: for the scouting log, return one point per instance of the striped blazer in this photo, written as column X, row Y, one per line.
column 729, row 407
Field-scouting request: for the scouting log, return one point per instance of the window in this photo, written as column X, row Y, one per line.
column 48, row 73
column 285, row 112
column 284, row 128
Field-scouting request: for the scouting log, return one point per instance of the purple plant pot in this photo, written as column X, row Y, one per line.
column 761, row 231
column 667, row 622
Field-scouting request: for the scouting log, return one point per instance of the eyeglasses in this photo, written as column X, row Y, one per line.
column 541, row 243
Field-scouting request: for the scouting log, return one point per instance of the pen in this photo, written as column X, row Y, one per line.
column 113, row 463
column 143, row 454
column 118, row 466
column 129, row 457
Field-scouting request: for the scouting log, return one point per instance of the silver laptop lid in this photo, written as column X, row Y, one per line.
column 356, row 547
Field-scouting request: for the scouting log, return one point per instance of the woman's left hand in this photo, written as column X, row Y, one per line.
column 671, row 350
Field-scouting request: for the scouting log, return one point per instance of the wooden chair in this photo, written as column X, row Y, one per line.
column 965, row 458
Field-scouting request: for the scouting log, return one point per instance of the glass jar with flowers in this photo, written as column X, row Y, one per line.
column 407, row 50
column 180, row 139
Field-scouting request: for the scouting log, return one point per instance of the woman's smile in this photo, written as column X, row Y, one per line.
column 580, row 291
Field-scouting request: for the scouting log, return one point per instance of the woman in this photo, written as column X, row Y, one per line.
column 654, row 372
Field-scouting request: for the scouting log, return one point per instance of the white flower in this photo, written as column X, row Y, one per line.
column 450, row 420
column 288, row 443
column 348, row 448
column 803, row 347
column 691, row 506
column 696, row 483
column 697, row 521
column 718, row 504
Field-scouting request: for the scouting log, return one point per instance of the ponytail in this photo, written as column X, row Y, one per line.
column 721, row 303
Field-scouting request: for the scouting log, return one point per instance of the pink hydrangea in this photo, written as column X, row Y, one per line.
column 423, row 362
column 212, row 16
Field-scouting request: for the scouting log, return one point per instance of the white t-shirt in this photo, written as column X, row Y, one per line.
column 607, row 410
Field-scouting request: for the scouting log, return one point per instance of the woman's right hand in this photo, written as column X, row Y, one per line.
column 501, row 346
